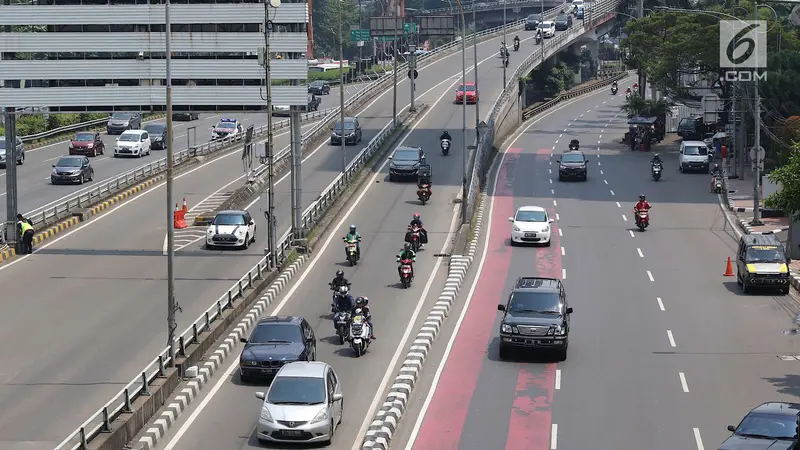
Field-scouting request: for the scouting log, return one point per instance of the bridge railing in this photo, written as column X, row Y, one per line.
column 487, row 7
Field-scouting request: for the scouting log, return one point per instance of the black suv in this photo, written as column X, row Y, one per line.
column 319, row 87
column 352, row 132
column 691, row 128
column 572, row 165
column 770, row 425
column 532, row 21
column 275, row 341
column 536, row 316
column 563, row 22
column 406, row 162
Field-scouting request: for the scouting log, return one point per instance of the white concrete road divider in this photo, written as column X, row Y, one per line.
column 387, row 419
column 189, row 390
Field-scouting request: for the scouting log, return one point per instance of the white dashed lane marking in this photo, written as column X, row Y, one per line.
column 660, row 304
column 671, row 338
column 684, row 385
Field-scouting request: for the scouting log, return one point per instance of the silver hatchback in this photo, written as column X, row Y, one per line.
column 20, row 151
column 304, row 404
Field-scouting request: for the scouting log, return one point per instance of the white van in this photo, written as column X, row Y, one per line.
column 133, row 143
column 693, row 156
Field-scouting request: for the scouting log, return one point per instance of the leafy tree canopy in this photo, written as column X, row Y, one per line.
column 638, row 106
column 326, row 16
column 787, row 177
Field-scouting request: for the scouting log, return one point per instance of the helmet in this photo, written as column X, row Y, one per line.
column 716, row 166
column 406, row 246
column 361, row 301
column 641, row 197
column 416, row 216
column 352, row 228
column 339, row 274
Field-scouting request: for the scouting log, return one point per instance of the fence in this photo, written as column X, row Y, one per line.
column 505, row 114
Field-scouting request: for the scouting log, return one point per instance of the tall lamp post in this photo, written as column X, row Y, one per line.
column 475, row 69
column 172, row 323
column 341, row 92
column 272, row 226
column 504, row 44
column 463, row 114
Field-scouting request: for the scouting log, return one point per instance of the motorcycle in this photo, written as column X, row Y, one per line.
column 505, row 61
column 445, row 144
column 424, row 193
column 415, row 238
column 642, row 219
column 627, row 96
column 717, row 185
column 359, row 333
column 341, row 321
column 538, row 38
column 341, row 291
column 614, row 90
column 574, row 147
column 516, row 46
column 503, row 51
column 655, row 169
column 352, row 251
column 405, row 273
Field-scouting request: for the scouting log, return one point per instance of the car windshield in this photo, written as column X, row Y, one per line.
column 155, row 128
column 544, row 26
column 297, row 391
column 765, row 254
column 347, row 126
column 129, row 137
column 470, row 88
column 561, row 19
column 695, row 151
column 535, row 302
column 229, row 219
column 69, row 162
column 275, row 332
column 531, row 216
column 572, row 158
column 767, row 426
column 406, row 155
column 317, row 83
column 121, row 116
column 84, row 137
column 226, row 125
column 533, row 17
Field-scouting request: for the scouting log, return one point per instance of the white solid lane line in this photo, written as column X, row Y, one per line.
column 660, row 304
column 698, row 440
column 671, row 338
column 558, row 379
column 684, row 385
column 554, row 437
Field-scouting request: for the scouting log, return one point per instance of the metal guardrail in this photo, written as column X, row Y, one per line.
column 488, row 7
column 90, row 195
column 537, row 109
column 101, row 420
column 64, row 129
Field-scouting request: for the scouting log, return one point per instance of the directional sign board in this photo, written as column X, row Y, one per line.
column 409, row 28
column 761, row 153
column 414, row 73
column 359, row 35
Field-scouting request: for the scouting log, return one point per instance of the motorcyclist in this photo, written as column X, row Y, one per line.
column 416, row 221
column 503, row 49
column 715, row 172
column 656, row 160
column 406, row 254
column 628, row 91
column 445, row 135
column 363, row 303
column 614, row 85
column 636, row 85
column 516, row 41
column 338, row 282
column 574, row 144
column 353, row 236
column 424, row 183
column 641, row 205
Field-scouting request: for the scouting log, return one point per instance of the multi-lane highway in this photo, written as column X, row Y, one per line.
column 101, row 287
column 33, row 177
column 664, row 351
column 381, row 213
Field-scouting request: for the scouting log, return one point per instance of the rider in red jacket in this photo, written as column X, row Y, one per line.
column 641, row 205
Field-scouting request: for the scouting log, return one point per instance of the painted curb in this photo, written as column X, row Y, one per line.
column 179, row 402
column 794, row 277
column 387, row 418
column 52, row 231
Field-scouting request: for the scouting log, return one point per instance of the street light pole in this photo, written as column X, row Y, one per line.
column 504, row 44
column 341, row 92
column 396, row 14
column 475, row 69
column 756, row 135
column 463, row 115
column 172, row 323
column 272, row 231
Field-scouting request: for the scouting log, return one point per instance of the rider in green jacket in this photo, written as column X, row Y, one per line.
column 407, row 254
column 354, row 237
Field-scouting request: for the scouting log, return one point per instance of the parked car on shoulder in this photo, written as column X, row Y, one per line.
column 88, row 143
column 72, row 169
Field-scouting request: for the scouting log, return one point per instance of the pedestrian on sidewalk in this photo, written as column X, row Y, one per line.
column 26, row 232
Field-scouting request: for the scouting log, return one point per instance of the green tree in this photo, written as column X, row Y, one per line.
column 787, row 199
column 326, row 16
column 638, row 106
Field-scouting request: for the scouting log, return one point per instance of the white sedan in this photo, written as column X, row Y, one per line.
column 231, row 229
column 530, row 225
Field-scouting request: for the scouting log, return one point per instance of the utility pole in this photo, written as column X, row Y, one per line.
column 297, row 145
column 172, row 323
column 394, row 70
column 341, row 93
column 504, row 45
column 412, row 66
column 475, row 69
column 464, row 193
column 272, row 232
column 640, row 73
column 756, row 136
column 12, row 235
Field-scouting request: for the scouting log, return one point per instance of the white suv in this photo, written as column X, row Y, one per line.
column 133, row 143
column 693, row 155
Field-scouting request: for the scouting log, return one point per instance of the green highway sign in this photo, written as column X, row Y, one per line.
column 359, row 35
column 384, row 38
column 409, row 28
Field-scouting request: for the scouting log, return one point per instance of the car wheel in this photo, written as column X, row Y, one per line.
column 81, row 179
column 94, row 152
column 745, row 287
column 738, row 278
column 329, row 441
column 391, row 177
column 511, row 242
column 21, row 159
column 504, row 352
column 562, row 354
column 91, row 175
column 246, row 241
column 560, row 178
column 680, row 168
column 254, row 235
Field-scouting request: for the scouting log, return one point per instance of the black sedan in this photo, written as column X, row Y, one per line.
column 72, row 169
column 158, row 135
column 573, row 165
column 769, row 426
column 275, row 341
column 532, row 22
column 319, row 87
column 185, row 115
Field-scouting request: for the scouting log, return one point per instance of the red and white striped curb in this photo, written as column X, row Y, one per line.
column 387, row 419
column 190, row 390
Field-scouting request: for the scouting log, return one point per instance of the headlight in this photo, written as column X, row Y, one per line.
column 546, row 229
column 505, row 328
column 90, row 146
column 321, row 415
column 560, row 331
column 516, row 228
column 241, row 231
column 265, row 415
column 210, row 231
column 55, row 172
column 352, row 134
column 248, row 363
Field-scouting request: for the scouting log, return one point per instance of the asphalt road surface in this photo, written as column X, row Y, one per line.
column 664, row 351
column 382, row 212
column 100, row 290
column 33, row 177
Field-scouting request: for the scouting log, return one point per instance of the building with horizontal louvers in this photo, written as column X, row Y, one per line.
column 106, row 55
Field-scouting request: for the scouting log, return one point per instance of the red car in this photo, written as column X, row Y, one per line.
column 472, row 93
column 87, row 143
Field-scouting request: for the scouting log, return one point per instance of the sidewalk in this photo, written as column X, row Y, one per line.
column 740, row 202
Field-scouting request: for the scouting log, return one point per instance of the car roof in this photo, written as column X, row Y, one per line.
column 694, row 143
column 155, row 124
column 573, row 152
column 783, row 408
column 303, row 369
column 232, row 211
column 408, row 148
column 284, row 320
column 760, row 239
column 70, row 157
column 531, row 208
column 541, row 284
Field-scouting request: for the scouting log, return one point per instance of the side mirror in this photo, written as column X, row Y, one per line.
column 390, row 157
column 252, row 222
column 731, row 428
column 261, row 395
column 243, row 340
column 337, row 397
column 54, row 165
column 558, row 161
column 550, row 220
column 117, row 139
column 511, row 219
column 569, row 310
column 501, row 307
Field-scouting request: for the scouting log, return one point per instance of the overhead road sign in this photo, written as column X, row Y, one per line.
column 359, row 35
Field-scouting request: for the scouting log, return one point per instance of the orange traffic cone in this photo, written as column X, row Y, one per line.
column 728, row 268
column 185, row 208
